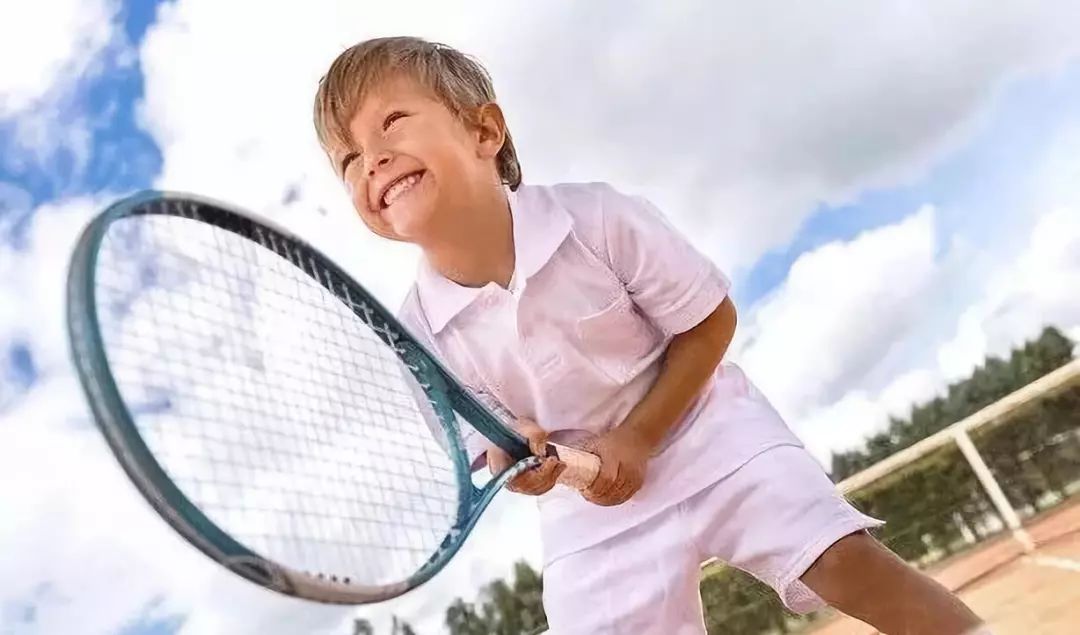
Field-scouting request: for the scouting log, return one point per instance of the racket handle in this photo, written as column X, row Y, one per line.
column 581, row 466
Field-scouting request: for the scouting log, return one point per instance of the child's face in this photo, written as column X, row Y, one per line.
column 412, row 163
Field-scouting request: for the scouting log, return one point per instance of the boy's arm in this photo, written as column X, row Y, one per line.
column 690, row 360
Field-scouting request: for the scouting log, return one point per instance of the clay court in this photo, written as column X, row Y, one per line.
column 1018, row 593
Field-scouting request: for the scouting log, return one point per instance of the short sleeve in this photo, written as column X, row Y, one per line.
column 673, row 283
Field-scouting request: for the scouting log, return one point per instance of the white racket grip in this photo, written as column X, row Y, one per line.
column 581, row 466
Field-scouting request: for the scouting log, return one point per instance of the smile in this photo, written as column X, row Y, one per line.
column 399, row 187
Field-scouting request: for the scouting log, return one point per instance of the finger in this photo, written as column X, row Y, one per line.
column 536, row 435
column 627, row 483
column 497, row 460
column 606, row 480
column 626, row 490
column 538, row 480
column 545, row 476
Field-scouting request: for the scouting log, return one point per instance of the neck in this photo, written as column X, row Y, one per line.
column 478, row 246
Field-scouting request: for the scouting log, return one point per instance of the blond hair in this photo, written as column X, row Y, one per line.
column 459, row 82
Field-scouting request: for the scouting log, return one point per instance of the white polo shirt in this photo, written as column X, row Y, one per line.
column 602, row 283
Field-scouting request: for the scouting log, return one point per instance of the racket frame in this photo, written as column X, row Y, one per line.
column 112, row 416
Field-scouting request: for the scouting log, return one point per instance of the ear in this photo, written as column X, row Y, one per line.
column 490, row 130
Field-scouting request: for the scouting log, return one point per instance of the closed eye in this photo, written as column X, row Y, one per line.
column 391, row 118
column 347, row 159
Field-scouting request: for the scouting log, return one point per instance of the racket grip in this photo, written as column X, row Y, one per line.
column 581, row 466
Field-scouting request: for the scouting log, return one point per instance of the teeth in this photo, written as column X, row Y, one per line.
column 395, row 191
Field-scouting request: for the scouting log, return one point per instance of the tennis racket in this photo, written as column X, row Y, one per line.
column 271, row 410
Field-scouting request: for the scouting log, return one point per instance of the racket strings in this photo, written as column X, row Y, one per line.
column 278, row 412
column 338, row 424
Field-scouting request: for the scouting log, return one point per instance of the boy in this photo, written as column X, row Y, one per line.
column 587, row 316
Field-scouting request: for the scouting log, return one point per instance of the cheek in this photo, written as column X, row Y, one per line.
column 358, row 198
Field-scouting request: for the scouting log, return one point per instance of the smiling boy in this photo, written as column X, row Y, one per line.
column 581, row 310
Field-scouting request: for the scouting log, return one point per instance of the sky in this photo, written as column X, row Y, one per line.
column 894, row 191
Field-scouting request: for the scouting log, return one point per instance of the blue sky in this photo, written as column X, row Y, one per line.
column 121, row 156
column 983, row 167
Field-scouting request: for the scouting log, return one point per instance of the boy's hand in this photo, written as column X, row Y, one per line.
column 624, row 455
column 538, row 480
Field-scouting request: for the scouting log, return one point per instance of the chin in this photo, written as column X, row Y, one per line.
column 412, row 221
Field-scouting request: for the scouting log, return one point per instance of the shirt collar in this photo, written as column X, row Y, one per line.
column 540, row 226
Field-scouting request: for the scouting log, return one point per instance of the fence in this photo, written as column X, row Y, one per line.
column 985, row 476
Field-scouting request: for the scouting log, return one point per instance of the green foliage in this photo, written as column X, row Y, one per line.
column 363, row 626
column 401, row 627
column 737, row 603
column 987, row 384
column 502, row 609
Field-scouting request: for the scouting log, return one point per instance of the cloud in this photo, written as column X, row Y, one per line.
column 1039, row 289
column 49, row 45
column 740, row 122
column 737, row 123
column 32, row 281
column 1035, row 285
column 129, row 564
column 862, row 330
column 838, row 313
column 60, row 46
column 845, row 423
column 105, row 526
column 51, row 524
column 48, row 444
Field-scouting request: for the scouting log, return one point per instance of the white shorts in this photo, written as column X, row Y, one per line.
column 772, row 518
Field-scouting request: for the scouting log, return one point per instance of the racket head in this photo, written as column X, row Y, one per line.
column 131, row 429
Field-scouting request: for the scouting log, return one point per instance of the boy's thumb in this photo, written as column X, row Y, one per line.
column 532, row 431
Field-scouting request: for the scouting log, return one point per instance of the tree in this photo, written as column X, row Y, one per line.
column 401, row 627
column 461, row 619
column 993, row 380
column 502, row 608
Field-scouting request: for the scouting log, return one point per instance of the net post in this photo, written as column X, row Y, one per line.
column 993, row 489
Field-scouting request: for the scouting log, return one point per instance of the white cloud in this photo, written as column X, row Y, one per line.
column 1037, row 284
column 738, row 131
column 1039, row 289
column 48, row 44
column 840, row 347
column 68, row 538
column 741, row 123
column 838, row 314
column 53, row 48
column 845, row 423
column 48, row 445
column 840, row 350
column 92, row 557
column 32, row 281
column 77, row 527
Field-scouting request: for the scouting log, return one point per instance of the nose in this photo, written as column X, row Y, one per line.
column 377, row 162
